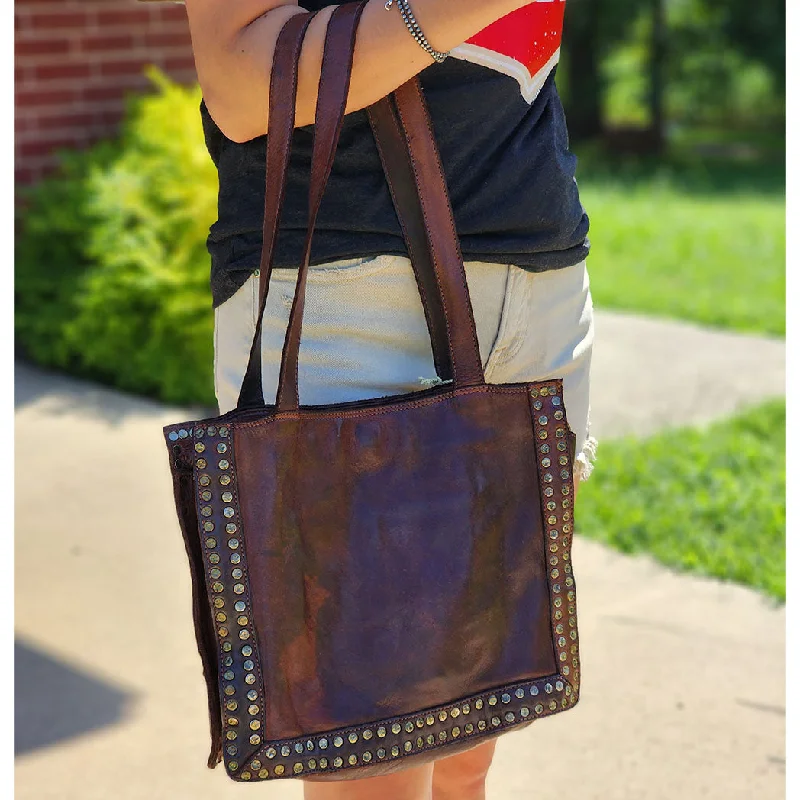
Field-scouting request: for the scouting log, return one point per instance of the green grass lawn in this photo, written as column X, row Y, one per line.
column 708, row 500
column 700, row 240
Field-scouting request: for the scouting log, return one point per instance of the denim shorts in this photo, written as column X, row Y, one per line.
column 365, row 336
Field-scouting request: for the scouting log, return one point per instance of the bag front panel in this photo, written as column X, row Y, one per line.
column 396, row 560
column 223, row 452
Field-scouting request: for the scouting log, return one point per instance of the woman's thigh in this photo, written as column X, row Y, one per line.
column 364, row 333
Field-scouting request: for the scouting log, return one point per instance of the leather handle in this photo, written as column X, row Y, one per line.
column 397, row 166
column 282, row 102
column 443, row 240
column 334, row 86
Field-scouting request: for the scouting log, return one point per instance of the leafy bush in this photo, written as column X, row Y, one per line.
column 111, row 265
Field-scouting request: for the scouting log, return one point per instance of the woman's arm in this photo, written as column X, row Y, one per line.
column 234, row 43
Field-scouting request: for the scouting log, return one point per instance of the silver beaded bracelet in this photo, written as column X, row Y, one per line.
column 415, row 30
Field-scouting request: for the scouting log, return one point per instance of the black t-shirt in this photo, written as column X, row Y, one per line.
column 500, row 127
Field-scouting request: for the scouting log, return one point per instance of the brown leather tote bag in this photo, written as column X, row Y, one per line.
column 377, row 584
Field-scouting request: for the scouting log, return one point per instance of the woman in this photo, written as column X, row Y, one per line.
column 501, row 132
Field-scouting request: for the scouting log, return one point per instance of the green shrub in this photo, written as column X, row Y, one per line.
column 111, row 268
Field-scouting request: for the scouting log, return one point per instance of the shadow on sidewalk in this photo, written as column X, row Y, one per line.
column 55, row 701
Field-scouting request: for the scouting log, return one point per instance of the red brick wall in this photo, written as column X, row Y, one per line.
column 76, row 60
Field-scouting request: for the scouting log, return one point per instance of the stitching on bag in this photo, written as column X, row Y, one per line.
column 379, row 410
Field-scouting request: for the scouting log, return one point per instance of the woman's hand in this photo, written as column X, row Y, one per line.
column 234, row 43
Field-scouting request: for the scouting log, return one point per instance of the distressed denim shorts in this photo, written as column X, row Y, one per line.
column 365, row 335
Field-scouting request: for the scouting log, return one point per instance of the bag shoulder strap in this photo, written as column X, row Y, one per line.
column 413, row 168
column 282, row 103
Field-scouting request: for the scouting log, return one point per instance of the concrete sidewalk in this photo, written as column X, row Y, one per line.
column 683, row 678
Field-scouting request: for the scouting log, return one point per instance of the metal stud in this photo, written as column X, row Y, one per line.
column 222, row 447
column 534, row 691
column 506, row 698
column 214, row 558
column 204, row 480
column 201, row 463
column 250, row 678
column 479, row 703
column 338, row 741
column 183, row 433
column 469, row 728
column 286, row 751
column 263, row 773
column 211, row 542
column 233, row 543
column 206, row 511
column 211, row 430
column 481, row 724
column 173, row 436
column 381, row 732
column 224, row 463
column 430, row 719
column 298, row 747
column 524, row 711
column 543, row 420
column 235, row 558
column 223, row 430
column 509, row 716
column 271, row 752
column 454, row 712
column 492, row 700
column 227, row 497
column 228, row 511
column 465, row 708
column 279, row 769
column 442, row 716
column 199, row 447
column 352, row 738
column 224, row 479
column 409, row 727
column 495, row 721
column 367, row 734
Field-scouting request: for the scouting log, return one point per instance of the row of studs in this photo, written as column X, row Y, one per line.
column 557, row 487
column 238, row 656
column 282, row 759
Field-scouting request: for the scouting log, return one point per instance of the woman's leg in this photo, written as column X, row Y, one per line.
column 463, row 776
column 413, row 783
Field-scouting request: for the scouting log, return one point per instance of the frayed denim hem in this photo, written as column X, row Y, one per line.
column 584, row 462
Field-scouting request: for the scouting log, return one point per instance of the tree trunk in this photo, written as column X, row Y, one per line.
column 658, row 64
column 584, row 96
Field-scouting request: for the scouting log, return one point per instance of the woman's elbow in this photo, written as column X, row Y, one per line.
column 230, row 117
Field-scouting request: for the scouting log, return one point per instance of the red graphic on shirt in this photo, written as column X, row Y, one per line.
column 524, row 44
